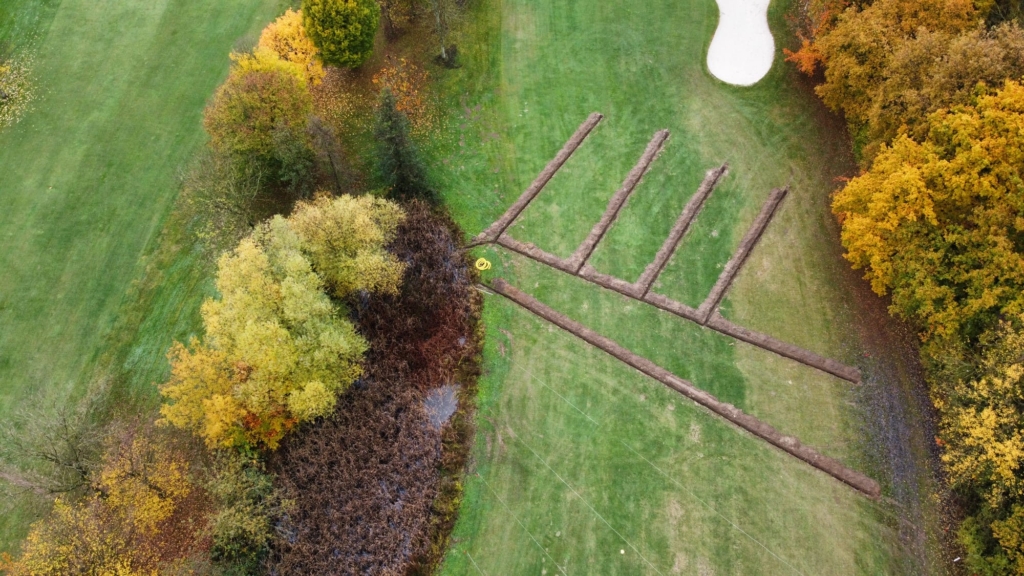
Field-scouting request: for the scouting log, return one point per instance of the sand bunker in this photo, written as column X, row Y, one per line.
column 742, row 50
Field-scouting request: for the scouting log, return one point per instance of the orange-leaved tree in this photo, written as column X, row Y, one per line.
column 278, row 349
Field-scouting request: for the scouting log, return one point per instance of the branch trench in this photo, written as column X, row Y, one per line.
column 492, row 232
column 679, row 229
column 732, row 267
column 789, row 444
column 618, row 200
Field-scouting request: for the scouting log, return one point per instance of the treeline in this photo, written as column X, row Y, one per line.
column 293, row 436
column 932, row 92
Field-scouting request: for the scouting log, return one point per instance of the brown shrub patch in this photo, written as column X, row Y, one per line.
column 376, row 489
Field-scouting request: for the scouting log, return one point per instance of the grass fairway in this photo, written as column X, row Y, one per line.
column 582, row 466
column 87, row 179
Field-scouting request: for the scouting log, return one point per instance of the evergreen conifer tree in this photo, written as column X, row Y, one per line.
column 398, row 160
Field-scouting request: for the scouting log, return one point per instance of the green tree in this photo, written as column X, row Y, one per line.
column 248, row 506
column 342, row 30
column 398, row 159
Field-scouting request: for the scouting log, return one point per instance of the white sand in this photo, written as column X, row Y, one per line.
column 742, row 50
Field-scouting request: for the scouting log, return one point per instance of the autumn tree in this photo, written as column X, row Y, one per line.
column 890, row 63
column 857, row 50
column 814, row 19
column 343, row 30
column 278, row 350
column 139, row 516
column 287, row 38
column 937, row 70
column 982, row 428
column 345, row 239
column 398, row 158
column 259, row 115
column 939, row 223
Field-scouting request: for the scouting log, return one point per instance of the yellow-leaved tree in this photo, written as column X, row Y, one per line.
column 344, row 238
column 138, row 518
column 259, row 115
column 278, row 350
column 940, row 223
column 286, row 37
column 982, row 426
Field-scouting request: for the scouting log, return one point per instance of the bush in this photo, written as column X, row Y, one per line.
column 248, row 506
column 422, row 335
column 343, row 30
